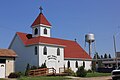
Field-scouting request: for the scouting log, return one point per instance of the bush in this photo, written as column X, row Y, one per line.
column 70, row 72
column 27, row 70
column 81, row 72
column 43, row 66
column 14, row 75
column 89, row 71
column 33, row 67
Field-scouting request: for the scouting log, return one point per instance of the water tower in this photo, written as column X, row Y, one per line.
column 89, row 38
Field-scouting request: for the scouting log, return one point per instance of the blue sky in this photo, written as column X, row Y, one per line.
column 70, row 19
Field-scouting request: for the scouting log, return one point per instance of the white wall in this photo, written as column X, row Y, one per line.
column 33, row 31
column 51, row 50
column 80, row 63
column 25, row 55
column 9, row 66
column 42, row 31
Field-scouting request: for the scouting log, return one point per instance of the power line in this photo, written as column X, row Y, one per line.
column 8, row 28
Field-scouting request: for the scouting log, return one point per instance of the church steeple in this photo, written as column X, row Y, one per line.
column 41, row 26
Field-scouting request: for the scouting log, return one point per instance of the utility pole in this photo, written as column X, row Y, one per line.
column 115, row 51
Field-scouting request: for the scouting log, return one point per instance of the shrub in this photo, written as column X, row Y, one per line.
column 81, row 72
column 33, row 67
column 27, row 70
column 43, row 66
column 14, row 75
column 89, row 71
column 69, row 72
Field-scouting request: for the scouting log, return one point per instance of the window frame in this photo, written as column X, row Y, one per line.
column 45, row 31
column 76, row 64
column 45, row 50
column 58, row 51
column 68, row 64
column 36, row 31
column 36, row 50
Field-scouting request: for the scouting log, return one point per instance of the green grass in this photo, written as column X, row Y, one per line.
column 96, row 74
column 44, row 78
column 2, row 79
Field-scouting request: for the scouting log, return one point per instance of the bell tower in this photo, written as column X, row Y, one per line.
column 41, row 26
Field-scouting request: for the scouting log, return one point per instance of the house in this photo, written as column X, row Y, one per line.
column 7, row 59
column 39, row 47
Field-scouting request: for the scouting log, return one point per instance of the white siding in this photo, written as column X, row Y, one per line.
column 51, row 50
column 42, row 31
column 9, row 66
column 33, row 31
column 80, row 63
column 25, row 54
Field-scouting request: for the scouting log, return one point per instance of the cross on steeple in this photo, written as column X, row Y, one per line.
column 41, row 9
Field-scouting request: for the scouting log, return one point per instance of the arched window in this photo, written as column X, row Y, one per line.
column 68, row 64
column 83, row 64
column 58, row 51
column 45, row 51
column 45, row 31
column 76, row 64
column 35, row 50
column 36, row 31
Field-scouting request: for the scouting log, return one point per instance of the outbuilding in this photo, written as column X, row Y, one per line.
column 7, row 59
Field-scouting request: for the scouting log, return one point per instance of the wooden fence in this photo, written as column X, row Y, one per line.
column 42, row 72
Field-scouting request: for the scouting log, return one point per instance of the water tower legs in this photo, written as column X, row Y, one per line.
column 90, row 48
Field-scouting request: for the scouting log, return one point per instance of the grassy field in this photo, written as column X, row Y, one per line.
column 44, row 78
column 96, row 74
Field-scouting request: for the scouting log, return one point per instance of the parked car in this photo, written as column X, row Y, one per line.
column 115, row 74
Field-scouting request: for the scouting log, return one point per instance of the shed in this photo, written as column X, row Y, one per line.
column 7, row 59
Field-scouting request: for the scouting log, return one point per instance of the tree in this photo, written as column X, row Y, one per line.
column 43, row 65
column 105, row 56
column 109, row 56
column 96, row 56
column 27, row 69
column 101, row 56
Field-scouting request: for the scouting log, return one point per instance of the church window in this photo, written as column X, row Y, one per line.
column 76, row 64
column 36, row 50
column 45, row 51
column 45, row 31
column 58, row 52
column 36, row 31
column 68, row 64
column 83, row 64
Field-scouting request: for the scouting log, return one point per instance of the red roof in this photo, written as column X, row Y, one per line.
column 72, row 48
column 41, row 20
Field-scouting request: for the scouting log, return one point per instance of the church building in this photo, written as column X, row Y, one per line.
column 39, row 47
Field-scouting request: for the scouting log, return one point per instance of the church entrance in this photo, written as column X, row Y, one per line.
column 51, row 64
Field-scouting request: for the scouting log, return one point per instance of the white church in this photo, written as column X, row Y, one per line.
column 39, row 47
